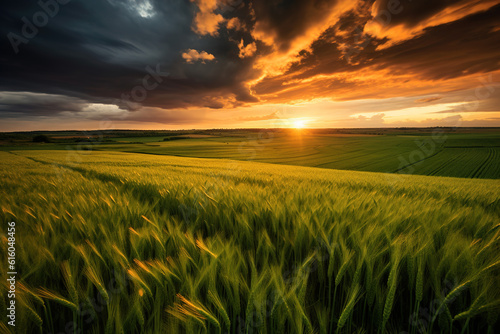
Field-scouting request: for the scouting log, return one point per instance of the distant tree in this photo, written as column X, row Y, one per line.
column 41, row 139
column 174, row 138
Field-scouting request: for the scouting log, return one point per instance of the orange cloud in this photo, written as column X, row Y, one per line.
column 366, row 83
column 428, row 99
column 273, row 115
column 192, row 56
column 289, row 33
column 445, row 58
column 234, row 23
column 206, row 22
column 398, row 21
column 248, row 50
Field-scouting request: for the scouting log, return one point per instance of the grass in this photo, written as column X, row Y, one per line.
column 111, row 242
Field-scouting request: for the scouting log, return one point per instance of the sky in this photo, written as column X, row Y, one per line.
column 198, row 64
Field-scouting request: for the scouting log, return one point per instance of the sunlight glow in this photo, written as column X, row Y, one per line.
column 299, row 124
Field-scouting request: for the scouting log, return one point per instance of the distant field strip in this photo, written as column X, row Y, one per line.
column 457, row 155
column 462, row 162
column 114, row 242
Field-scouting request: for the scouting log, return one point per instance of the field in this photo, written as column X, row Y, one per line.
column 437, row 152
column 115, row 242
column 475, row 155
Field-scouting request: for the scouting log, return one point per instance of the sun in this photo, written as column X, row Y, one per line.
column 299, row 124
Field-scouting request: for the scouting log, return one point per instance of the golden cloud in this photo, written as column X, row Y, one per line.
column 192, row 56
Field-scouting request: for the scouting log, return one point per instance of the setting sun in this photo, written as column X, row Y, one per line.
column 299, row 124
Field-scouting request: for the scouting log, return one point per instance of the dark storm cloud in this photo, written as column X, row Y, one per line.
column 144, row 115
column 21, row 104
column 98, row 50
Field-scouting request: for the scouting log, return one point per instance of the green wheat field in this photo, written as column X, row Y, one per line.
column 111, row 241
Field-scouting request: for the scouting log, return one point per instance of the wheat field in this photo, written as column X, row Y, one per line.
column 111, row 242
